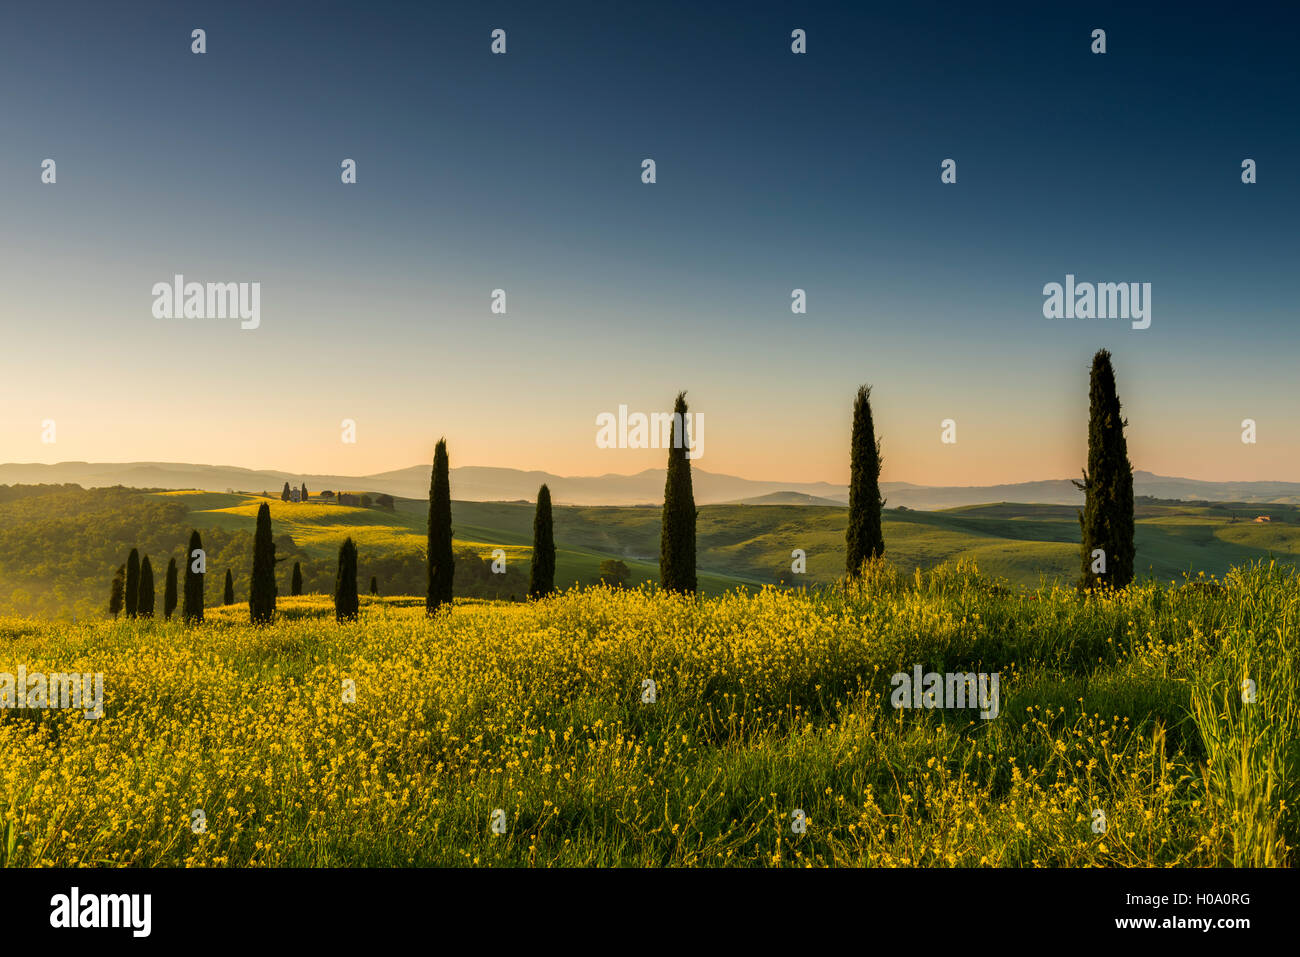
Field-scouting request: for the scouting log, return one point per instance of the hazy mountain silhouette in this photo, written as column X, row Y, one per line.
column 485, row 484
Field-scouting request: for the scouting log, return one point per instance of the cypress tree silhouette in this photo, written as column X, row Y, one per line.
column 677, row 532
column 195, row 566
column 304, row 491
column 295, row 583
column 169, row 590
column 117, row 591
column 345, row 584
column 374, row 585
column 228, row 593
column 440, row 562
column 145, row 598
column 864, row 538
column 1106, row 520
column 284, row 493
column 132, row 597
column 541, row 580
column 261, row 587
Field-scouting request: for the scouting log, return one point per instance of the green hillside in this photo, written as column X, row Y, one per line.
column 751, row 545
column 60, row 544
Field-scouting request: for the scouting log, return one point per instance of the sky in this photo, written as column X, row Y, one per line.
column 523, row 172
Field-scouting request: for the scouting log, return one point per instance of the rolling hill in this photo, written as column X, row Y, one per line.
column 59, row 545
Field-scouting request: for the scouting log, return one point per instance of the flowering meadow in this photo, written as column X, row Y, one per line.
column 605, row 727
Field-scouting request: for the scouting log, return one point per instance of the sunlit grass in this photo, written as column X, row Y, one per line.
column 765, row 705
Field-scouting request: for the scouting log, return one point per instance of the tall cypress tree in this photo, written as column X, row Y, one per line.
column 345, row 584
column 117, row 592
column 374, row 585
column 304, row 492
column 1106, row 521
column 295, row 583
column 441, row 564
column 677, row 532
column 541, row 581
column 284, row 493
column 169, row 590
column 228, row 594
column 195, row 568
column 145, row 599
column 261, row 587
column 132, row 596
column 864, row 538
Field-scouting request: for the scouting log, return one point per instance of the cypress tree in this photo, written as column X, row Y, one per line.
column 677, row 532
column 132, row 597
column 441, row 564
column 145, row 599
column 541, row 580
column 374, row 585
column 228, row 594
column 117, row 591
column 864, row 538
column 295, row 584
column 284, row 493
column 304, row 491
column 1106, row 520
column 169, row 591
column 195, row 567
column 261, row 589
column 345, row 584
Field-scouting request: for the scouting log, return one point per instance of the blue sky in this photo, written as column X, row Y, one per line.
column 522, row 172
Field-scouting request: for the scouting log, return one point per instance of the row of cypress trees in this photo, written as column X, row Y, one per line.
column 132, row 590
column 677, row 558
column 676, row 543
column 1105, row 522
column 440, row 560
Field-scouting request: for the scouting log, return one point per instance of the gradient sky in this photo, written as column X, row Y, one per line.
column 522, row 171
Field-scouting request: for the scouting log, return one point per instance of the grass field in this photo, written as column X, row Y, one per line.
column 769, row 709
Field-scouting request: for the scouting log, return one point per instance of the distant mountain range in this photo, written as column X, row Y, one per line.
column 483, row 484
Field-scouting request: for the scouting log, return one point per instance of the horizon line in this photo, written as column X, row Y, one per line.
column 507, row 468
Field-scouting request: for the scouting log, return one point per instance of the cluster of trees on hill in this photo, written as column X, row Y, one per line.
column 131, row 590
column 57, row 541
column 354, row 499
column 60, row 543
column 286, row 494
